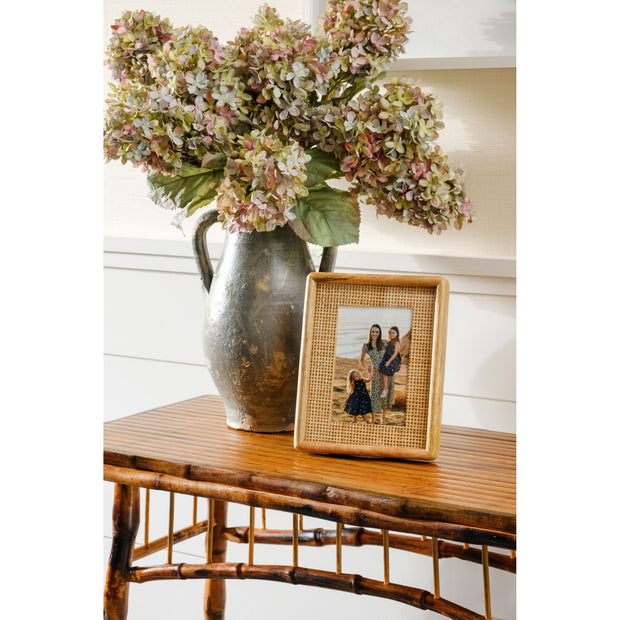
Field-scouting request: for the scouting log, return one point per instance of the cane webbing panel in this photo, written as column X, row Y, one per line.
column 330, row 296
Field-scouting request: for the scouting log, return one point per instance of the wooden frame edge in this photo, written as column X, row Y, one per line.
column 436, row 378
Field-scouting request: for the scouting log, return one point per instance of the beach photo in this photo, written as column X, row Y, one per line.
column 371, row 366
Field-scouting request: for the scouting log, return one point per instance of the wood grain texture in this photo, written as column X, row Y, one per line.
column 215, row 589
column 471, row 483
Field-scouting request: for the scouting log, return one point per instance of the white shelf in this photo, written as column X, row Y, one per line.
column 464, row 62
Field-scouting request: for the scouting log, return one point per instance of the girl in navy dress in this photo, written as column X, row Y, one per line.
column 390, row 364
column 358, row 402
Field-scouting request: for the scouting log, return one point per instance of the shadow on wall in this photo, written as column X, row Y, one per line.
column 501, row 31
column 479, row 112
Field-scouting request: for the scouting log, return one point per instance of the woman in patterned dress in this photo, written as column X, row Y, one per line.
column 375, row 349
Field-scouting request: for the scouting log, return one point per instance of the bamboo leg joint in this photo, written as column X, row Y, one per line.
column 423, row 605
column 293, row 575
column 319, row 534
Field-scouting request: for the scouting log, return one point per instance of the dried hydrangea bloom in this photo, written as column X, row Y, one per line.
column 273, row 69
column 363, row 36
column 262, row 181
column 265, row 120
column 392, row 159
column 135, row 36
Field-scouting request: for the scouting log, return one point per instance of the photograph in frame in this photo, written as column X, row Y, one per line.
column 372, row 365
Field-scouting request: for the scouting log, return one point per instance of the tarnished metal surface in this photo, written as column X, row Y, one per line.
column 252, row 329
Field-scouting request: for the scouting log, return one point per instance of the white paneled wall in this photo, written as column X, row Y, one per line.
column 154, row 311
column 153, row 356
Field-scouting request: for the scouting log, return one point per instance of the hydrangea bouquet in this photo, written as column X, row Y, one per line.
column 263, row 123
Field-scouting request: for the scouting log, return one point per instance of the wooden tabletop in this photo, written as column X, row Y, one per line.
column 471, row 483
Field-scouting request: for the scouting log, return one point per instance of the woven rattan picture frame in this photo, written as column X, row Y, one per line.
column 372, row 365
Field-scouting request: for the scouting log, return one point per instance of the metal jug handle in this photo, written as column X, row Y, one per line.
column 199, row 242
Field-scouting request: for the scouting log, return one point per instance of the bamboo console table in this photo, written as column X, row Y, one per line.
column 461, row 505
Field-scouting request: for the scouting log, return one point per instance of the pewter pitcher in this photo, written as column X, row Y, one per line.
column 253, row 322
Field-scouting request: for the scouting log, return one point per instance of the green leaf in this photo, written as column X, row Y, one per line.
column 321, row 167
column 327, row 217
column 358, row 86
column 193, row 188
column 213, row 161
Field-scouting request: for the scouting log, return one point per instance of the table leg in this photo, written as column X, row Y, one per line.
column 126, row 518
column 215, row 589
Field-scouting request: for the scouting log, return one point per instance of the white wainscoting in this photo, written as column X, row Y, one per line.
column 153, row 356
column 154, row 311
